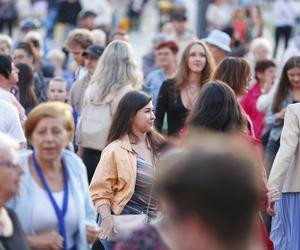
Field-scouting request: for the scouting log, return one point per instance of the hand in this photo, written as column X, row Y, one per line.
column 106, row 227
column 273, row 196
column 271, row 209
column 92, row 232
column 50, row 240
column 280, row 114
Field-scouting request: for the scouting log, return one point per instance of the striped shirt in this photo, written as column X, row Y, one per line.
column 139, row 201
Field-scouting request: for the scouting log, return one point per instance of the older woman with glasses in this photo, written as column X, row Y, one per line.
column 11, row 234
column 54, row 203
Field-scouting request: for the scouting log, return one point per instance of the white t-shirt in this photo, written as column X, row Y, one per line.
column 9, row 121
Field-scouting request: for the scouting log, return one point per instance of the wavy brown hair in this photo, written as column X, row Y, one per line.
column 234, row 71
column 183, row 72
column 284, row 84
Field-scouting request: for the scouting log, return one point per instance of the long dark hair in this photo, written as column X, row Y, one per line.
column 217, row 109
column 122, row 120
column 27, row 95
column 284, row 83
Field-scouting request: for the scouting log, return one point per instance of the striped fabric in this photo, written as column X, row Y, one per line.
column 139, row 201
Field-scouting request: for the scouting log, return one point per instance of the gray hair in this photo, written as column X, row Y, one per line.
column 115, row 69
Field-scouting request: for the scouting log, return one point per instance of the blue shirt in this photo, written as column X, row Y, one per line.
column 22, row 203
column 153, row 83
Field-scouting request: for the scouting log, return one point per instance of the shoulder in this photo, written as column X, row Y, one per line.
column 294, row 108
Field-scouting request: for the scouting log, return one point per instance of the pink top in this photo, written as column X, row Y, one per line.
column 248, row 103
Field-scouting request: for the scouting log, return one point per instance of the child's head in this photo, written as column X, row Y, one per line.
column 57, row 89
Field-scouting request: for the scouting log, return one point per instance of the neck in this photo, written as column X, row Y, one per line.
column 141, row 137
column 194, row 78
column 49, row 166
column 169, row 69
column 3, row 85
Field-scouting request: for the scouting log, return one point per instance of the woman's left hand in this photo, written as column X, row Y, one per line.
column 92, row 232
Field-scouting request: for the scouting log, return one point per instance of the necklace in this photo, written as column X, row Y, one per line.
column 192, row 93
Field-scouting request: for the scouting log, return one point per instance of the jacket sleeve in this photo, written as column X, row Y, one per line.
column 162, row 105
column 104, row 179
column 286, row 153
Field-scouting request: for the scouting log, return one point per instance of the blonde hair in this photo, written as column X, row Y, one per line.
column 99, row 37
column 7, row 40
column 49, row 109
column 79, row 37
column 115, row 69
column 56, row 54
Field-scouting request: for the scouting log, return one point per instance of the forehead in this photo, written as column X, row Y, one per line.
column 295, row 69
column 20, row 52
column 197, row 48
column 57, row 84
column 76, row 49
column 50, row 121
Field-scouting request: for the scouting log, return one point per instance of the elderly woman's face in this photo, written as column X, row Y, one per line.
column 49, row 138
column 10, row 173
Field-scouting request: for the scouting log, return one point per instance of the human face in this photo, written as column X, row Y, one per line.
column 260, row 53
column 14, row 75
column 20, row 56
column 143, row 121
column 4, row 49
column 165, row 57
column 268, row 76
column 49, row 138
column 179, row 26
column 197, row 58
column 294, row 77
column 57, row 91
column 76, row 52
column 10, row 174
column 90, row 63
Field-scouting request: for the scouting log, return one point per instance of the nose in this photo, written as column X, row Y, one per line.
column 153, row 117
column 49, row 136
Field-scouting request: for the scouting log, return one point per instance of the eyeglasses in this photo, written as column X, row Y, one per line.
column 10, row 164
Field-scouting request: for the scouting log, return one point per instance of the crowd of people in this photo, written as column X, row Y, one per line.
column 197, row 148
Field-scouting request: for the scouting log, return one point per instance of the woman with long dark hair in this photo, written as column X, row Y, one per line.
column 288, row 92
column 177, row 96
column 124, row 176
column 27, row 96
column 218, row 110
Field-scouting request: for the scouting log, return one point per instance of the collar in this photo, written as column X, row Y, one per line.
column 125, row 143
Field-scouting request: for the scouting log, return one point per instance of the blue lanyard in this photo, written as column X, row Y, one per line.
column 60, row 213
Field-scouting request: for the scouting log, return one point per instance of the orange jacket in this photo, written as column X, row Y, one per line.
column 114, row 180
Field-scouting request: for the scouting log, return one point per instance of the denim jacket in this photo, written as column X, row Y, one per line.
column 274, row 124
column 22, row 203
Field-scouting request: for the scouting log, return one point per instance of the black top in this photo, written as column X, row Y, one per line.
column 17, row 240
column 170, row 102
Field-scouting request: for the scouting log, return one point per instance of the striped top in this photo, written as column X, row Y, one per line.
column 144, row 183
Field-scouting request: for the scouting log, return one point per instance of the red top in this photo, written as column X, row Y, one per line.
column 248, row 103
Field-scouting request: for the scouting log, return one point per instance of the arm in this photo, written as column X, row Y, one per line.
column 101, row 189
column 162, row 105
column 286, row 153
